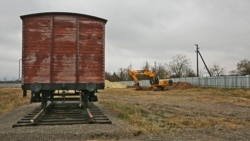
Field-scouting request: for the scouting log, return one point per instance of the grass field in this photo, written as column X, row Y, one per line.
column 176, row 111
column 11, row 98
column 209, row 111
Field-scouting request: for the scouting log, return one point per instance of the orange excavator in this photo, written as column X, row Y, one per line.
column 155, row 82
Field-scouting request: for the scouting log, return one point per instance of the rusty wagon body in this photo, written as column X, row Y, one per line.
column 62, row 51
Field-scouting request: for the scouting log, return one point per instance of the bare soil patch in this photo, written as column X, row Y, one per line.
column 181, row 85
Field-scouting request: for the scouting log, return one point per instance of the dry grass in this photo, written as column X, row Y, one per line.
column 10, row 98
column 171, row 111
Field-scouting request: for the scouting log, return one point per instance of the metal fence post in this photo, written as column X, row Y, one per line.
column 248, row 81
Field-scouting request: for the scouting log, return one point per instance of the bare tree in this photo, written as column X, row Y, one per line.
column 123, row 74
column 146, row 66
column 130, row 67
column 154, row 68
column 217, row 70
column 179, row 66
column 243, row 67
column 160, row 70
column 190, row 73
column 107, row 76
column 233, row 72
column 114, row 77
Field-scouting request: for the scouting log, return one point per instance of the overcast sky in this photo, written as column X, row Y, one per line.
column 143, row 30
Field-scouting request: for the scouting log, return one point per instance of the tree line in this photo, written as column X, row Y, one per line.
column 179, row 66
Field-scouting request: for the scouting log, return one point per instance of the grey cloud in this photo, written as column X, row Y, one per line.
column 144, row 30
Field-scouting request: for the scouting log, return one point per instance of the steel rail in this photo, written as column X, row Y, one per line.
column 57, row 113
column 37, row 117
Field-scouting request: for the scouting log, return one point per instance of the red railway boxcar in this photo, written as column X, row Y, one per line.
column 62, row 51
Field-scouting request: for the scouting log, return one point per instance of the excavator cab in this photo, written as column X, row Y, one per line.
column 154, row 80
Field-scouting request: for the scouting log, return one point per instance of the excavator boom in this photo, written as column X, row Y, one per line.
column 134, row 74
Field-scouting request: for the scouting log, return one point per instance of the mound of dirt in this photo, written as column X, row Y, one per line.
column 182, row 85
column 109, row 84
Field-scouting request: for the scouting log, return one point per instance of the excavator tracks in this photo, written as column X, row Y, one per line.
column 67, row 113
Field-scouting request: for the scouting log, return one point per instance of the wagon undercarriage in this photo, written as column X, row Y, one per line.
column 43, row 93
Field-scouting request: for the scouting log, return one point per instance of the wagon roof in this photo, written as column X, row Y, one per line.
column 62, row 13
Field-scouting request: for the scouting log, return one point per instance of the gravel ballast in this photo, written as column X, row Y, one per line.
column 118, row 130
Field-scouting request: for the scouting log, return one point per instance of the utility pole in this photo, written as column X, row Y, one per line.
column 197, row 59
column 19, row 69
column 198, row 53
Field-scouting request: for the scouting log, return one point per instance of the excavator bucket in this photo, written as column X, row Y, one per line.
column 137, row 86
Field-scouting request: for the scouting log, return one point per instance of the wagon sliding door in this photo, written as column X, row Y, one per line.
column 64, row 50
column 91, row 51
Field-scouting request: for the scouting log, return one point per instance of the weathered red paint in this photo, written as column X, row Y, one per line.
column 63, row 48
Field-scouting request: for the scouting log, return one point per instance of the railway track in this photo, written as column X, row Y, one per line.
column 64, row 113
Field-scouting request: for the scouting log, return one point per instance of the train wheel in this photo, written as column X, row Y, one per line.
column 44, row 104
column 45, row 96
column 85, row 98
column 92, row 97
